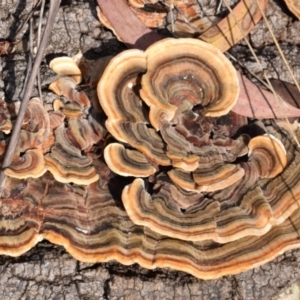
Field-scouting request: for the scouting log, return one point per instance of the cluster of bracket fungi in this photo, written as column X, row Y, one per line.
column 168, row 118
column 183, row 182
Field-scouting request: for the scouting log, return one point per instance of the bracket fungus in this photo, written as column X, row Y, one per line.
column 269, row 155
column 66, row 86
column 127, row 162
column 182, row 73
column 245, row 208
column 66, row 66
column 209, row 197
column 65, row 161
column 70, row 76
column 160, row 224
column 28, row 160
column 173, row 80
column 169, row 102
column 36, row 119
column 31, row 164
column 100, row 230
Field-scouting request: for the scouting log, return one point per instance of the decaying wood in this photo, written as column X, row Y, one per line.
column 112, row 280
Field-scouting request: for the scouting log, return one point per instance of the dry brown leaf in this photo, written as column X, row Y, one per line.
column 130, row 29
column 253, row 101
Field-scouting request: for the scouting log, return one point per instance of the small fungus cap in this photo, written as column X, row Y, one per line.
column 127, row 162
column 31, row 164
column 65, row 161
column 66, row 66
column 269, row 154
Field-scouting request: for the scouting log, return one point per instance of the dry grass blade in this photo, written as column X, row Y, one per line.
column 172, row 18
column 38, row 44
column 28, row 18
column 30, row 58
column 278, row 47
column 279, row 100
column 54, row 5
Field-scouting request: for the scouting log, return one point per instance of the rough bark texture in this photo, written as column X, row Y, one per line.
column 47, row 271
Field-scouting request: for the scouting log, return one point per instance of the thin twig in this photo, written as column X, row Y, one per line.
column 40, row 23
column 28, row 17
column 30, row 58
column 218, row 10
column 251, row 73
column 54, row 5
column 171, row 7
column 278, row 47
column 38, row 44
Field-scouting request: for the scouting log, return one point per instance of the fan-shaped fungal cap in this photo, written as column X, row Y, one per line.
column 31, row 164
column 66, row 162
column 57, row 104
column 144, row 139
column 142, row 208
column 36, row 118
column 116, row 88
column 184, row 161
column 127, row 162
column 35, row 128
column 66, row 66
column 269, row 155
column 56, row 119
column 72, row 110
column 126, row 121
column 80, row 171
column 66, row 86
column 82, row 134
column 216, row 176
column 182, row 73
column 236, row 211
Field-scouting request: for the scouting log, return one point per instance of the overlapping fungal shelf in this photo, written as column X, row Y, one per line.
column 93, row 226
column 182, row 183
column 182, row 90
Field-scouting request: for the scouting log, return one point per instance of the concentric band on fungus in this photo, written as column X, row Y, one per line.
column 182, row 73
